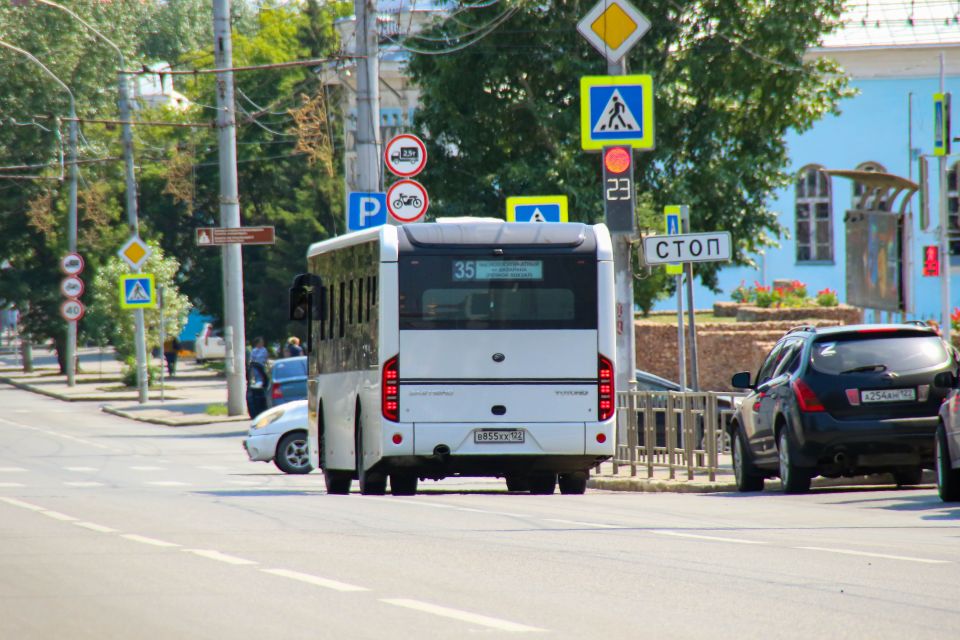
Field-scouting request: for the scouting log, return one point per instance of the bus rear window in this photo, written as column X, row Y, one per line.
column 484, row 293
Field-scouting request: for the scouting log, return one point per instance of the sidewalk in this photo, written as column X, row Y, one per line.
column 186, row 396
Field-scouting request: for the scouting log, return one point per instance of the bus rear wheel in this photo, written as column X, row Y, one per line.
column 403, row 484
column 338, row 482
column 517, row 482
column 573, row 483
column 543, row 484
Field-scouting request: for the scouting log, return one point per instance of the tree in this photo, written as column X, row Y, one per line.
column 500, row 110
column 108, row 323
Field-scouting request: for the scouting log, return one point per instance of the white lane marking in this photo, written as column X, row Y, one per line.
column 84, row 484
column 463, row 616
column 213, row 468
column 99, row 528
column 61, row 435
column 12, row 469
column 22, row 504
column 702, row 537
column 419, row 503
column 80, row 469
column 56, row 515
column 169, row 483
column 316, row 581
column 146, row 469
column 145, row 540
column 21, row 410
column 11, row 485
column 585, row 524
column 868, row 554
column 221, row 557
column 242, row 483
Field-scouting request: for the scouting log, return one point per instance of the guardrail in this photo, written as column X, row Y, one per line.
column 680, row 431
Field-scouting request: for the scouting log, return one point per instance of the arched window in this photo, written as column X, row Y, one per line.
column 859, row 188
column 814, row 216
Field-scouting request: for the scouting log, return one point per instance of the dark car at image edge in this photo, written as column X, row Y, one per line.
column 840, row 402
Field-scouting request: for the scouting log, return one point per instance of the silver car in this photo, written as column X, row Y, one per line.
column 280, row 434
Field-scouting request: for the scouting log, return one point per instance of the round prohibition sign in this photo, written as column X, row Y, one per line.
column 72, row 310
column 407, row 200
column 72, row 264
column 405, row 155
column 71, row 287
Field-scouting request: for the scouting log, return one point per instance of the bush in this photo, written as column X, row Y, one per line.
column 129, row 374
column 743, row 293
column 827, row 298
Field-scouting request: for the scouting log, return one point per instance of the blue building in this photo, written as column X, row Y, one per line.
column 891, row 52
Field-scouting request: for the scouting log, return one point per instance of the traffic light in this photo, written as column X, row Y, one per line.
column 618, row 189
column 931, row 260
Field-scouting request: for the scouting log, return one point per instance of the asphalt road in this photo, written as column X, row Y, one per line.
column 115, row 529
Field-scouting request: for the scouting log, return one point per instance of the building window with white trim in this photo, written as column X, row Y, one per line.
column 858, row 189
column 814, row 216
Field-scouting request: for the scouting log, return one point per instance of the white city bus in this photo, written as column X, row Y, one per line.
column 462, row 348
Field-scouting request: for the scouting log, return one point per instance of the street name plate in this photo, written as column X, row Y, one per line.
column 213, row 236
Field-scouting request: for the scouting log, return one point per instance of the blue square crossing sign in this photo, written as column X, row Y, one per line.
column 537, row 209
column 616, row 110
column 137, row 291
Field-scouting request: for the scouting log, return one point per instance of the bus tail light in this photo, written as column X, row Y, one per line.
column 390, row 389
column 605, row 395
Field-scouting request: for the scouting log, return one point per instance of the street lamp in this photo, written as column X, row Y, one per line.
column 132, row 221
column 72, row 215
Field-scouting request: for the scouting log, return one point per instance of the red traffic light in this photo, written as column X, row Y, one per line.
column 617, row 159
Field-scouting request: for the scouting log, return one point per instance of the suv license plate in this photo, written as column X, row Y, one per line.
column 888, row 395
column 494, row 436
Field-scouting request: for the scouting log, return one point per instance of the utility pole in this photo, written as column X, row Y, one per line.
column 368, row 140
column 232, row 255
column 945, row 327
column 626, row 361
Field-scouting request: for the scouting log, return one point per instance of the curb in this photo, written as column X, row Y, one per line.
column 645, row 485
column 100, row 397
column 173, row 422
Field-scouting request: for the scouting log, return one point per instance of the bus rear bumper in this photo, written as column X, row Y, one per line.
column 513, row 439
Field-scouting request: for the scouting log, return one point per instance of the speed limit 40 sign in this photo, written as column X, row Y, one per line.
column 72, row 310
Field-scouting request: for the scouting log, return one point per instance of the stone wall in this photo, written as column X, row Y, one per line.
column 723, row 348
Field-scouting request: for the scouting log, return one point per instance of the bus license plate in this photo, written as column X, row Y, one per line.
column 888, row 395
column 494, row 436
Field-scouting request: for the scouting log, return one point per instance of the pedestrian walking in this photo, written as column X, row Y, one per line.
column 171, row 351
column 293, row 347
column 259, row 353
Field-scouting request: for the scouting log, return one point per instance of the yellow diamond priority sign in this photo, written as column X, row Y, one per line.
column 134, row 251
column 613, row 27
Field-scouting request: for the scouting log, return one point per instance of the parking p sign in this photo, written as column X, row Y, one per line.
column 365, row 210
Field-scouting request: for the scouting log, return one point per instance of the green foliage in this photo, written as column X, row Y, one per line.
column 109, row 324
column 828, row 298
column 501, row 116
column 128, row 373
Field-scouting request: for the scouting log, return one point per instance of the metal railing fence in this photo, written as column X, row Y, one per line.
column 679, row 431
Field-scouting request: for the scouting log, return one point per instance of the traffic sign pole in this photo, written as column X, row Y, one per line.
column 691, row 311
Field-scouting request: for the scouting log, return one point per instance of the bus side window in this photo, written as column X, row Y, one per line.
column 331, row 292
column 369, row 295
column 350, row 303
column 340, row 309
column 360, row 315
column 323, row 316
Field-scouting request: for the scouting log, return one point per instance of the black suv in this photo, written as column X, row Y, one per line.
column 841, row 401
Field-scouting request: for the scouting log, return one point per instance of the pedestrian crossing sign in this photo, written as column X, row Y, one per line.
column 137, row 291
column 616, row 110
column 537, row 209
